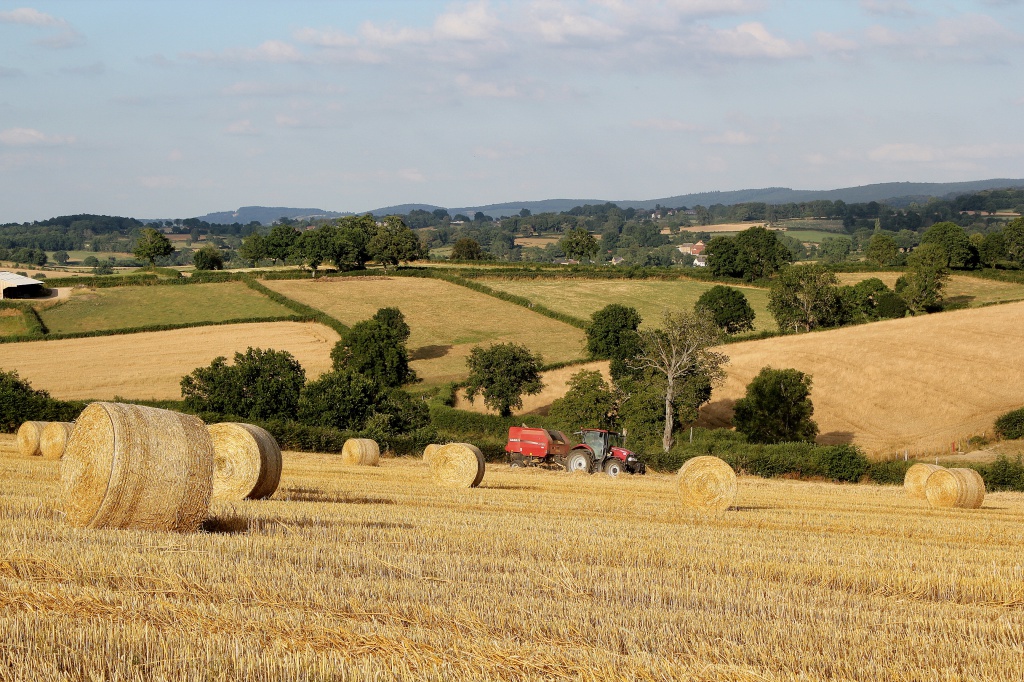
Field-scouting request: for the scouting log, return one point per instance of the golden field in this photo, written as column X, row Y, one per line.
column 151, row 364
column 914, row 384
column 556, row 385
column 446, row 320
column 370, row 573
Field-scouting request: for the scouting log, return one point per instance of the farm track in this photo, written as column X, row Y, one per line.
column 369, row 573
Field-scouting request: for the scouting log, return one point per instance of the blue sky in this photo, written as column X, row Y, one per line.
column 176, row 109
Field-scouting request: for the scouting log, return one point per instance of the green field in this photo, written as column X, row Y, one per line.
column 817, row 224
column 12, row 322
column 583, row 297
column 814, row 235
column 125, row 307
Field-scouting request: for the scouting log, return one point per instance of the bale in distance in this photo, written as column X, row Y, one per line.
column 706, row 484
column 129, row 466
column 29, row 436
column 959, row 488
column 915, row 478
column 428, row 452
column 246, row 462
column 457, row 465
column 360, row 452
column 55, row 437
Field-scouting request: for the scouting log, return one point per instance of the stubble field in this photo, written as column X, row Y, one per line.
column 373, row 573
column 446, row 320
column 151, row 364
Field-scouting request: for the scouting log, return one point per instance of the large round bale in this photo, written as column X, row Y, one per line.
column 246, row 462
column 961, row 488
column 457, row 465
column 55, row 437
column 29, row 436
column 707, row 484
column 128, row 466
column 915, row 478
column 428, row 452
column 360, row 452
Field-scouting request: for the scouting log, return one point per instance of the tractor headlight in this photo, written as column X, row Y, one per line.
column 631, row 459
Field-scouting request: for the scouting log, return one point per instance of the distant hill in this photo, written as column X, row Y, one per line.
column 896, row 193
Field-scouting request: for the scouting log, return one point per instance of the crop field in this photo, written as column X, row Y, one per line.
column 125, row 307
column 583, row 298
column 916, row 383
column 973, row 291
column 369, row 573
column 537, row 241
column 446, row 320
column 151, row 364
column 722, row 227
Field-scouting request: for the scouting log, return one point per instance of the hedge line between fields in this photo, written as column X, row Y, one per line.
column 302, row 309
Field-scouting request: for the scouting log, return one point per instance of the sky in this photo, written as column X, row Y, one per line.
column 176, row 109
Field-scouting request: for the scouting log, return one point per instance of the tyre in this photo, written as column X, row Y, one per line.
column 613, row 467
column 578, row 462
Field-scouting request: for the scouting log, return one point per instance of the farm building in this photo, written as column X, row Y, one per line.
column 692, row 249
column 19, row 286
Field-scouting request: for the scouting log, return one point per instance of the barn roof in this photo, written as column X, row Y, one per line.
column 9, row 279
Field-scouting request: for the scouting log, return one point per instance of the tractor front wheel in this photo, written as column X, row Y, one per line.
column 578, row 461
column 613, row 467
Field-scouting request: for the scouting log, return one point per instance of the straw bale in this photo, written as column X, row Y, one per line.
column 428, row 452
column 360, row 452
column 29, row 435
column 457, row 465
column 706, row 483
column 915, row 478
column 55, row 437
column 961, row 488
column 129, row 466
column 246, row 462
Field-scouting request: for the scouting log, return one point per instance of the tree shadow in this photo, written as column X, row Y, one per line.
column 716, row 414
column 299, row 494
column 429, row 352
column 750, row 508
column 835, row 438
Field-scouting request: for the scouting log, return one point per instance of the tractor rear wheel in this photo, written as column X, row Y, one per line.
column 613, row 467
column 578, row 461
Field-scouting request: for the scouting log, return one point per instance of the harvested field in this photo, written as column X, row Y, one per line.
column 582, row 297
column 127, row 307
column 721, row 227
column 150, row 365
column 915, row 383
column 973, row 291
column 446, row 320
column 556, row 384
column 798, row 581
column 537, row 241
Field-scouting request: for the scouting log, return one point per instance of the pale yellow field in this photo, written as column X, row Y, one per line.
column 536, row 241
column 556, row 384
column 374, row 574
column 150, row 365
column 446, row 320
column 914, row 383
column 971, row 290
column 722, row 227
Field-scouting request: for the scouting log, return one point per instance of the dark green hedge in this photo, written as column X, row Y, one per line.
column 1011, row 425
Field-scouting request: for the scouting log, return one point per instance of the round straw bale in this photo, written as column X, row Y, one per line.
column 246, row 462
column 962, row 488
column 457, row 465
column 29, row 435
column 914, row 480
column 128, row 466
column 55, row 437
column 428, row 452
column 360, row 452
column 707, row 483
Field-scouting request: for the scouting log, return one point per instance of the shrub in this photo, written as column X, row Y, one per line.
column 19, row 402
column 1011, row 425
column 776, row 408
column 340, row 400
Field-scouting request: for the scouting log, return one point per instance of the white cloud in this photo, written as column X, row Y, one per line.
column 63, row 40
column 242, row 127
column 752, row 40
column 273, row 51
column 30, row 17
column 482, row 89
column 285, row 121
column 730, row 137
column 967, row 37
column 324, row 37
column 668, row 125
column 833, row 42
column 411, row 175
column 30, row 137
column 267, row 89
column 891, row 8
column 475, row 23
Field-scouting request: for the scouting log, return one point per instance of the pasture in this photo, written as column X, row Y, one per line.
column 583, row 298
column 816, row 236
column 139, row 306
column 150, row 365
column 12, row 322
column 972, row 291
column 369, row 573
column 916, row 383
column 446, row 320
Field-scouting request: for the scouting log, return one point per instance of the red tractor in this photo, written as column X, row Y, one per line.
column 600, row 450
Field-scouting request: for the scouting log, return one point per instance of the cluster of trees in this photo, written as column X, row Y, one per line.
column 347, row 243
column 361, row 393
column 23, row 255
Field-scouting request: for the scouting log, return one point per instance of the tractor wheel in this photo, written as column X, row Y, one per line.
column 613, row 467
column 578, row 461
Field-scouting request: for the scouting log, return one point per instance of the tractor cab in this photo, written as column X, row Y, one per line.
column 600, row 441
